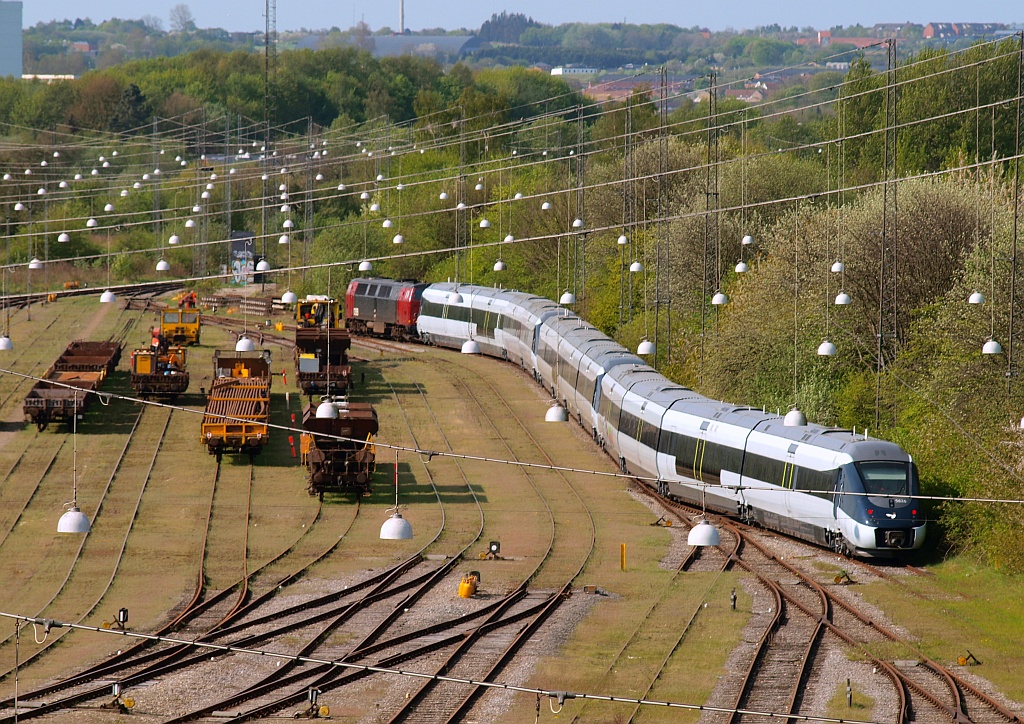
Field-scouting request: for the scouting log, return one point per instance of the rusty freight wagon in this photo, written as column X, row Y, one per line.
column 336, row 464
column 66, row 386
column 238, row 406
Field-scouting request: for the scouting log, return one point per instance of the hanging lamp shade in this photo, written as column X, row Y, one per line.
column 443, row 196
column 283, row 239
column 470, row 346
column 556, row 413
column 623, row 240
column 546, row 206
column 826, row 349
column 162, row 266
column 263, row 266
column 795, row 418
column 289, row 298
column 286, row 209
column 190, row 224
column 636, row 267
column 742, row 268
column 365, row 266
column 375, row 206
column 992, row 347
column 319, row 177
column 73, row 521
column 205, row 195
column 64, row 237
column 719, row 299
column 35, row 264
column 455, row 298
column 288, row 224
column 387, row 223
column 6, row 345
column 509, row 238
column 138, row 185
column 843, row 299
column 748, row 240
column 703, row 534
column 976, row 298
column 577, row 223
column 380, row 177
column 174, row 239
column 364, row 195
column 396, row 528
column 645, row 347
column 244, row 344
column 485, row 224
column 341, row 187
column 518, row 196
column 838, row 267
column 197, row 209
column 567, row 298
column 327, row 410
column 499, row 265
column 399, row 239
column 479, row 187
column 108, row 297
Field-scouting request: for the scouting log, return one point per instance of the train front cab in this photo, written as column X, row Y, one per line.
column 884, row 519
column 181, row 326
column 408, row 309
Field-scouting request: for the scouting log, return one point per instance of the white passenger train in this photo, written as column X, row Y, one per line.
column 852, row 493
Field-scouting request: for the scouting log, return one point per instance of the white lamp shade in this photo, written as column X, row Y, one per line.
column 976, row 298
column 577, row 223
column 6, row 345
column 285, row 209
column 636, row 267
column 645, row 347
column 567, row 298
column 162, row 266
column 742, row 268
column 843, row 298
column 244, row 344
column 196, row 209
column 319, row 176
column 509, row 238
column 138, row 185
column 556, row 413
column 470, row 346
column 380, row 177
column 288, row 224
column 479, row 187
column 795, row 418
column 204, row 195
column 174, row 239
column 748, row 240
column 64, row 237
column 108, row 208
column 396, row 528
column 35, row 264
column 443, row 196
column 455, row 298
column 375, row 207
column 387, row 223
column 460, row 205
column 623, row 240
column 546, row 206
column 327, row 410
column 719, row 299
column 190, row 224
column 499, row 265
column 73, row 521
column 91, row 223
column 365, row 266
column 263, row 266
column 826, row 349
column 703, row 534
column 485, row 224
column 108, row 297
column 364, row 195
column 283, row 239
column 518, row 196
column 289, row 298
column 838, row 267
column 992, row 347
column 399, row 239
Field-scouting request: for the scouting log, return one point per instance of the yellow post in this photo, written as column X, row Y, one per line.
column 622, row 555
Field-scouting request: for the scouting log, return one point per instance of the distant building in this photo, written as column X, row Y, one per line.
column 939, row 30
column 443, row 48
column 571, row 70
column 10, row 38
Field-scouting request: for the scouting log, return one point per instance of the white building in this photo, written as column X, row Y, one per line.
column 569, row 70
column 10, row 38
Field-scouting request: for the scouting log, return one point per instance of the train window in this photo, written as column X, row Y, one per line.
column 170, row 317
column 816, row 481
column 764, row 469
column 189, row 317
column 361, row 288
column 649, row 435
column 885, row 478
column 383, row 291
column 371, row 290
column 628, row 424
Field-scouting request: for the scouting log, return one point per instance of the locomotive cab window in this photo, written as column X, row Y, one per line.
column 886, row 478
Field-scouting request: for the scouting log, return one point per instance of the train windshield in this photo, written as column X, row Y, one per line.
column 887, row 478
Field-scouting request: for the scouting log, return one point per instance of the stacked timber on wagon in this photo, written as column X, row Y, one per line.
column 238, row 406
column 66, row 386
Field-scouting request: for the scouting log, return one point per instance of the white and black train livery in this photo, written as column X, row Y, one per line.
column 851, row 493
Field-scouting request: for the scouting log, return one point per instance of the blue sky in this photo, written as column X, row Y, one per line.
column 315, row 14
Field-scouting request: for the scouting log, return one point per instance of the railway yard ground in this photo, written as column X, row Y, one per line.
column 239, row 554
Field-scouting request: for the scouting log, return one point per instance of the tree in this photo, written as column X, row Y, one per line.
column 132, row 111
column 181, row 19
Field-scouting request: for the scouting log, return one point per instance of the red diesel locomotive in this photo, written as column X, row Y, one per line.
column 384, row 307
